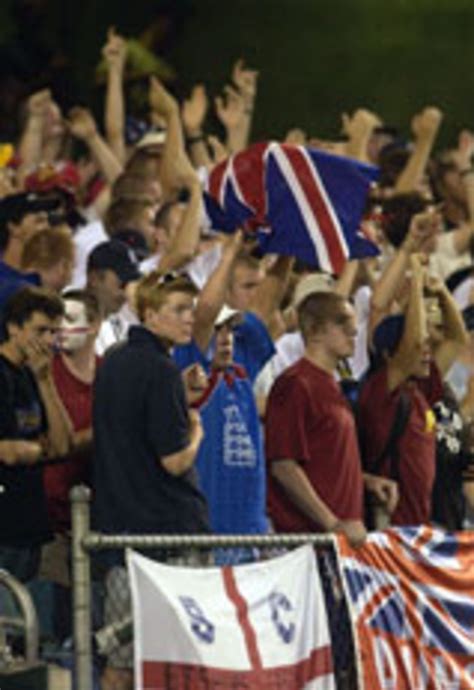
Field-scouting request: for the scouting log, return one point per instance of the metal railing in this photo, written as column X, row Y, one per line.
column 86, row 541
column 27, row 623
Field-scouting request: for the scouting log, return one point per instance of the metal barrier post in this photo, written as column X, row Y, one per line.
column 81, row 588
column 30, row 619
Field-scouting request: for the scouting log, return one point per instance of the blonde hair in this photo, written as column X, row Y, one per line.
column 47, row 247
column 154, row 288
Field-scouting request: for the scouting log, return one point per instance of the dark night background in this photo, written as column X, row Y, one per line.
column 316, row 58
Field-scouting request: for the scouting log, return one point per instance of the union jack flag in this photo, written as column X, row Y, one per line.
column 301, row 202
column 412, row 596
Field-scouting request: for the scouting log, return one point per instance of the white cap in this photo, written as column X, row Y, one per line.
column 314, row 282
column 153, row 138
column 225, row 314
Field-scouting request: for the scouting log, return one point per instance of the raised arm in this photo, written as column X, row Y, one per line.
column 212, row 296
column 415, row 331
column 31, row 141
column 422, row 228
column 425, row 126
column 358, row 129
column 82, row 125
column 115, row 55
column 462, row 236
column 193, row 113
column 455, row 335
column 235, row 109
column 271, row 290
column 176, row 173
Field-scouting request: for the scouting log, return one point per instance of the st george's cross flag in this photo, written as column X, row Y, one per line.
column 258, row 626
column 411, row 592
column 299, row 201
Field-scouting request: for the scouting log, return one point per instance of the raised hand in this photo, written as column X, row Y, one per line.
column 39, row 103
column 114, row 51
column 194, row 110
column 161, row 101
column 362, row 122
column 81, row 123
column 246, row 81
column 231, row 108
column 425, row 124
column 462, row 156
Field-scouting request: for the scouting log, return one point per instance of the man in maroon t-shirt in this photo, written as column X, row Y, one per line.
column 315, row 475
column 411, row 354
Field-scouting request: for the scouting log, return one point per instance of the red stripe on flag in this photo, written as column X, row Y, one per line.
column 248, row 169
column 160, row 675
column 242, row 616
column 318, row 206
column 215, row 180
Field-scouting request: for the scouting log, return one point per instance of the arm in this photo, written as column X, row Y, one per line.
column 425, row 126
column 270, row 292
column 82, row 125
column 185, row 241
column 291, row 477
column 31, row 141
column 422, row 227
column 462, row 237
column 212, row 296
column 346, row 279
column 455, row 335
column 193, row 113
column 236, row 110
column 179, row 463
column 115, row 55
column 415, row 331
column 59, row 433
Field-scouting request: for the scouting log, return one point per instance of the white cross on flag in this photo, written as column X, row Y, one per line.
column 261, row 626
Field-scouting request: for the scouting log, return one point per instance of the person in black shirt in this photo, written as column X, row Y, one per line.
column 146, row 440
column 33, row 425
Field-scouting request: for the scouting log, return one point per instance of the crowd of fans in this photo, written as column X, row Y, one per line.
column 198, row 386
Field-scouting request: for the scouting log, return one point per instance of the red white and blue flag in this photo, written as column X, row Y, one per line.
column 411, row 592
column 300, row 201
column 260, row 626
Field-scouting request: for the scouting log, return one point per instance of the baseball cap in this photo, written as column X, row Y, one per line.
column 15, row 206
column 314, row 282
column 388, row 334
column 115, row 256
column 226, row 313
column 152, row 138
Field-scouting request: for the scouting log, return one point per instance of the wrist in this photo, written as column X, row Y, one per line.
column 334, row 525
column 195, row 138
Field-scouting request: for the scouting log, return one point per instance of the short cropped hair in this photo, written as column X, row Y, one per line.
column 47, row 247
column 19, row 308
column 125, row 214
column 317, row 310
column 88, row 299
column 154, row 288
